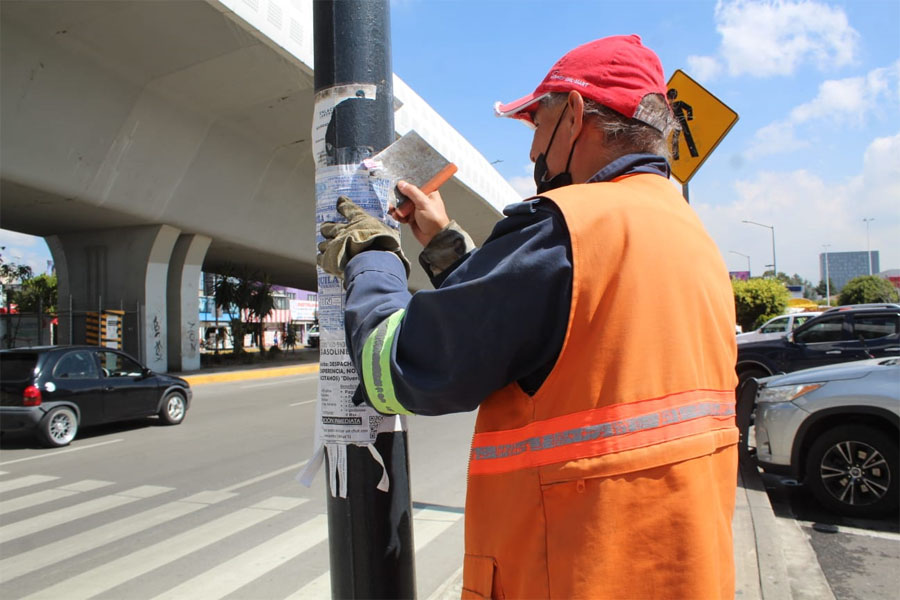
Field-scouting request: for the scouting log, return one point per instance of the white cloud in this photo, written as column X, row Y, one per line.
column 775, row 37
column 808, row 212
column 703, row 68
column 845, row 99
column 851, row 101
column 774, row 138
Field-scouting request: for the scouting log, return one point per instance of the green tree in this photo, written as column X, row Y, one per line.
column 232, row 294
column 12, row 277
column 757, row 300
column 868, row 288
column 37, row 293
column 261, row 304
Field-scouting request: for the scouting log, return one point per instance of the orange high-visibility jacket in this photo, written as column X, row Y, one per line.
column 617, row 478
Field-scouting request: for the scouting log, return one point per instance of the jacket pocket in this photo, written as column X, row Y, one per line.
column 480, row 578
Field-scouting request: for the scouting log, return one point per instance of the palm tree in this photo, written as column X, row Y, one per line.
column 261, row 304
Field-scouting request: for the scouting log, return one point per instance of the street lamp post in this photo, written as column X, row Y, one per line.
column 868, row 250
column 827, row 276
column 772, row 228
column 748, row 260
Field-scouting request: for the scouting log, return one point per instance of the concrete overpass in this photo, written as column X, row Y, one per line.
column 146, row 140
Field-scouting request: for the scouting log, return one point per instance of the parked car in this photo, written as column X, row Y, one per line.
column 312, row 337
column 55, row 390
column 839, row 334
column 835, row 428
column 776, row 327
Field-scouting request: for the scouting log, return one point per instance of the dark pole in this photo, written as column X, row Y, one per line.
column 369, row 531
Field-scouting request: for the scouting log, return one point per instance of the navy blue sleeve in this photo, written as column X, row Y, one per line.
column 499, row 316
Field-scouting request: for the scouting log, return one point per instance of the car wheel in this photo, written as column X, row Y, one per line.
column 59, row 427
column 853, row 470
column 748, row 373
column 173, row 409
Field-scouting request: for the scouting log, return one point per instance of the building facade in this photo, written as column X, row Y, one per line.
column 844, row 266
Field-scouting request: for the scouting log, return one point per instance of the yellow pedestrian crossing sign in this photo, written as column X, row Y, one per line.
column 704, row 120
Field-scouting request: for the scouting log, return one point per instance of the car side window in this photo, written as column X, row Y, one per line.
column 798, row 321
column 76, row 365
column 118, row 365
column 871, row 327
column 826, row 330
column 778, row 326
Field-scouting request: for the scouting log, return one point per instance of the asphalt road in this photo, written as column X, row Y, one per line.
column 209, row 508
column 860, row 557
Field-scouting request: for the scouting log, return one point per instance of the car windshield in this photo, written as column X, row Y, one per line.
column 15, row 366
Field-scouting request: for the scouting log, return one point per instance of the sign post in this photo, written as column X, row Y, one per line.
column 365, row 453
column 703, row 121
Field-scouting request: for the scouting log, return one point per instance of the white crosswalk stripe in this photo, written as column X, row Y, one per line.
column 109, row 571
column 233, row 574
column 117, row 572
column 27, row 481
column 44, row 496
column 43, row 556
column 85, row 509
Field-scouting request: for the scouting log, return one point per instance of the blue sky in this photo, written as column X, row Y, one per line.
column 817, row 147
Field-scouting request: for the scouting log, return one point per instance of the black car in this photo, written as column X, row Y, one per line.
column 840, row 334
column 54, row 390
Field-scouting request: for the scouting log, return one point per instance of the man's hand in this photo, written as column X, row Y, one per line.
column 425, row 214
column 361, row 232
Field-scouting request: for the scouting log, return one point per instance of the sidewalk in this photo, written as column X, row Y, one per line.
column 773, row 556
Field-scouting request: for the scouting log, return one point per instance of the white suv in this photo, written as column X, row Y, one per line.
column 777, row 327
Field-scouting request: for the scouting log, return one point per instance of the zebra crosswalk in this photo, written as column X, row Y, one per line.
column 89, row 538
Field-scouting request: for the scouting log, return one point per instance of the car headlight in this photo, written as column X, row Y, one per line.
column 786, row 393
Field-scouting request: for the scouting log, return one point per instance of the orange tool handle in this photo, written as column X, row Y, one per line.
column 440, row 179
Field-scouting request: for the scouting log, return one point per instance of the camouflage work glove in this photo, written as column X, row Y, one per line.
column 361, row 232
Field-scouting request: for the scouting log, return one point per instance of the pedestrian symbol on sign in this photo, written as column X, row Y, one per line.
column 683, row 113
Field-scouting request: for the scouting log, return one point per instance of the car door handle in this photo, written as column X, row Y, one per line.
column 833, row 352
column 108, row 388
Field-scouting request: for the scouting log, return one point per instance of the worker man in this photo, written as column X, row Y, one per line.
column 592, row 330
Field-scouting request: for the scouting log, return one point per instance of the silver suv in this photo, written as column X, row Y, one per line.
column 835, row 429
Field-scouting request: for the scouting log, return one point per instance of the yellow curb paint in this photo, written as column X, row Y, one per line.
column 251, row 374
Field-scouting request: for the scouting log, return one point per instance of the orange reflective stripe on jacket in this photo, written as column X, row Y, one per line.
column 601, row 431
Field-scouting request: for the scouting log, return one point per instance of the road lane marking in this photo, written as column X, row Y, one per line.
column 124, row 569
column 74, row 545
column 44, row 496
column 279, row 382
column 77, row 511
column 230, row 575
column 304, row 402
column 259, row 478
column 21, row 482
column 53, row 453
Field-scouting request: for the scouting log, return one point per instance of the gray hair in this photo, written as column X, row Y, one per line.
column 626, row 135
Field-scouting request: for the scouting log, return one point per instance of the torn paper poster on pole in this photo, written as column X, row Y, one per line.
column 338, row 421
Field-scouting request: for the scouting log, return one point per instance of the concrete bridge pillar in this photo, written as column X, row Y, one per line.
column 123, row 268
column 183, row 291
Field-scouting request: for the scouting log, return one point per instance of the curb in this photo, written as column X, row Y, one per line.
column 246, row 374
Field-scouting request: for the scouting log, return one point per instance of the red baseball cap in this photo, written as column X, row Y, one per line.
column 616, row 71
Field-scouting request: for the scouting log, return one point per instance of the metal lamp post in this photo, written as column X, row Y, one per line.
column 772, row 228
column 748, row 261
column 868, row 250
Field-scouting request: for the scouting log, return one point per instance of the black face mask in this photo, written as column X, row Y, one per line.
column 540, row 165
